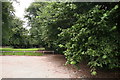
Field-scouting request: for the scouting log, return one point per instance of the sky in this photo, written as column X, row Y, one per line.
column 20, row 9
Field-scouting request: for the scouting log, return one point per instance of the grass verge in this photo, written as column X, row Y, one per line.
column 21, row 53
column 19, row 49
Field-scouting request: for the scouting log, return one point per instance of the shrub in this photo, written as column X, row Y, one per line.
column 94, row 37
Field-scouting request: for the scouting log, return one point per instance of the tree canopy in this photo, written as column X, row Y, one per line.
column 79, row 30
column 12, row 27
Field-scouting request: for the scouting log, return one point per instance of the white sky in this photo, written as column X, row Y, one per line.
column 20, row 8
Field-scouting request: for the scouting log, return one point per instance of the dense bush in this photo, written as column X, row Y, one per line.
column 95, row 38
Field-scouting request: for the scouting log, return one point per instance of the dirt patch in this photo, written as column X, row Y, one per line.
column 47, row 66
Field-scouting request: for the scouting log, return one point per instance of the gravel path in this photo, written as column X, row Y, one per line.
column 47, row 66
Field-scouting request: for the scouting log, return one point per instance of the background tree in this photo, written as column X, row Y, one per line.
column 7, row 17
column 19, row 37
column 13, row 33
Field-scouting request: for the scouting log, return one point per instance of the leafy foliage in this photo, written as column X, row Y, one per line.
column 94, row 37
column 47, row 19
column 7, row 17
column 13, row 33
column 82, row 31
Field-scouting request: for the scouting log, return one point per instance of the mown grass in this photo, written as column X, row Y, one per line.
column 22, row 51
column 28, row 49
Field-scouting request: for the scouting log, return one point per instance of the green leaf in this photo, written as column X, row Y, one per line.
column 83, row 52
column 73, row 62
column 61, row 45
column 113, row 28
column 116, row 6
column 94, row 73
column 105, row 15
column 104, row 56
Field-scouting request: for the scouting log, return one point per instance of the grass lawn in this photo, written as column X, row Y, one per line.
column 20, row 49
column 22, row 53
